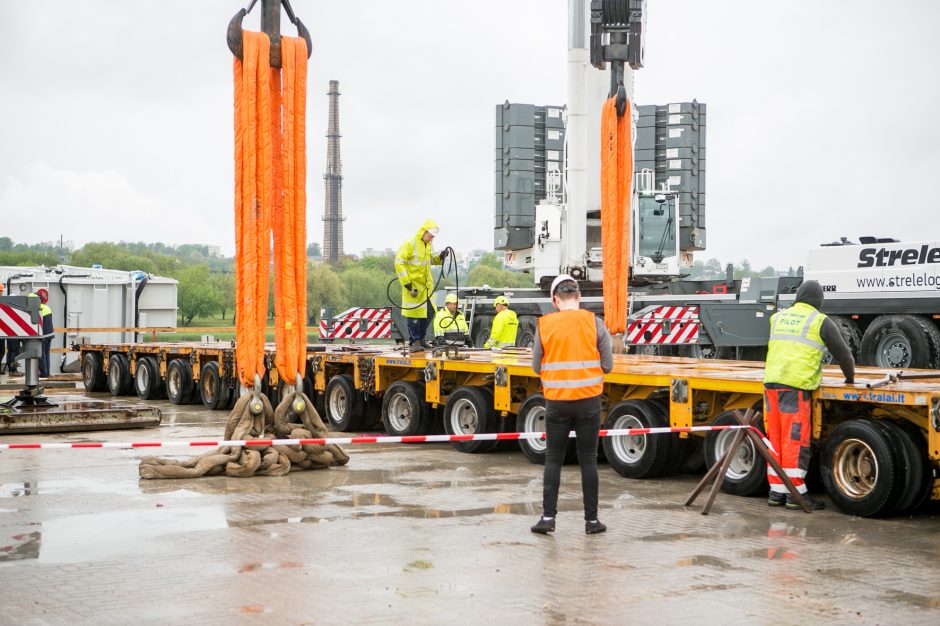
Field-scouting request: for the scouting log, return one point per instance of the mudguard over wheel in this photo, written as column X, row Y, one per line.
column 859, row 468
column 404, row 411
column 344, row 405
column 637, row 456
column 467, row 412
column 747, row 474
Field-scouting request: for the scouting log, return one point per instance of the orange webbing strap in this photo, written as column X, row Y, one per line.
column 254, row 197
column 290, row 223
column 616, row 191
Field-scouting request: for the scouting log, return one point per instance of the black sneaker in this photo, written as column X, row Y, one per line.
column 544, row 526
column 814, row 505
column 593, row 527
column 776, row 499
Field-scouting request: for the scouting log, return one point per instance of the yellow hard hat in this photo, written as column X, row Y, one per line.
column 501, row 300
column 451, row 297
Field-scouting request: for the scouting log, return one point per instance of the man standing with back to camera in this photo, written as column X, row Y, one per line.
column 571, row 354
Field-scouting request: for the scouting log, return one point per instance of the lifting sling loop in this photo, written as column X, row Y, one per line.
column 616, row 191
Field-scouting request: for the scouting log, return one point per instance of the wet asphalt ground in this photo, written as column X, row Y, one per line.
column 422, row 534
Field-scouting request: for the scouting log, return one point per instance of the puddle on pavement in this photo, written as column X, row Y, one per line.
column 68, row 486
column 705, row 560
column 81, row 538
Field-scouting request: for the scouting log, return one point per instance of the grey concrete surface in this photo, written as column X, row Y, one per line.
column 422, row 534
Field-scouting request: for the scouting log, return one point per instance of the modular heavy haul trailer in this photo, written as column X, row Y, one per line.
column 878, row 449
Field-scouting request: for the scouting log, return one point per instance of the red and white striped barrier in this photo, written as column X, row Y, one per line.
column 359, row 323
column 353, row 440
column 15, row 322
column 664, row 325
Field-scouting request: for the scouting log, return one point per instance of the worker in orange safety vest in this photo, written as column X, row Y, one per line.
column 571, row 353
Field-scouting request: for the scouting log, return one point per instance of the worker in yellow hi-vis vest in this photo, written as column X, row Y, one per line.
column 505, row 325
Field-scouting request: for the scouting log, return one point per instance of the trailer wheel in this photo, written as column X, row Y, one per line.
column 850, row 332
column 147, row 381
column 344, row 405
column 92, row 373
column 468, row 413
column 179, row 382
column 120, row 381
column 747, row 474
column 404, row 411
column 919, row 481
column 636, row 456
column 482, row 326
column 213, row 393
column 525, row 332
column 900, row 341
column 859, row 468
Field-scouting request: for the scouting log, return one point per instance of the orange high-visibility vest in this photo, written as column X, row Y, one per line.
column 571, row 364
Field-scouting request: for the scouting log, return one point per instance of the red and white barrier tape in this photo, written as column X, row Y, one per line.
column 361, row 439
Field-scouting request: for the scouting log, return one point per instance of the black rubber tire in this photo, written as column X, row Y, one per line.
column 213, row 392
column 920, row 476
column 641, row 456
column 531, row 418
column 847, row 443
column 525, row 332
column 179, row 382
column 694, row 461
column 679, row 448
column 468, row 412
column 850, row 332
column 404, row 411
column 345, row 407
column 747, row 475
column 373, row 413
column 120, row 381
column 147, row 381
column 482, row 324
column 93, row 373
column 915, row 339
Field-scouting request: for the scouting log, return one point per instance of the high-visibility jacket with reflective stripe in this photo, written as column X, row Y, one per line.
column 795, row 349
column 503, row 331
column 413, row 265
column 571, row 363
column 445, row 322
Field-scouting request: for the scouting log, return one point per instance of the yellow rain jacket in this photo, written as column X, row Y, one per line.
column 503, row 332
column 413, row 265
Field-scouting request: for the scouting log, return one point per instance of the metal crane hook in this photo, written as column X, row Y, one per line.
column 270, row 24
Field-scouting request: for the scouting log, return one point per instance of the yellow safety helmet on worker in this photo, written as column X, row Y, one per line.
column 505, row 325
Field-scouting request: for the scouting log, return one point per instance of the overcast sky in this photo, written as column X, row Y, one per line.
column 115, row 117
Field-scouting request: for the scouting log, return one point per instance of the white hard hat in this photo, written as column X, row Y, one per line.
column 558, row 280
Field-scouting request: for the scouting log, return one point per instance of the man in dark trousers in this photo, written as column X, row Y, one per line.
column 571, row 354
column 798, row 338
column 45, row 311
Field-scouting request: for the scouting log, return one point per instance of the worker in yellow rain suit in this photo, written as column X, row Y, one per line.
column 505, row 325
column 413, row 267
column 450, row 319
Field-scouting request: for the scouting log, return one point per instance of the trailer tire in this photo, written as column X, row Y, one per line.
column 901, row 341
column 920, row 474
column 636, row 456
column 147, row 381
column 212, row 389
column 120, row 381
column 344, row 405
column 92, row 373
column 468, row 413
column 179, row 382
column 747, row 474
column 525, row 332
column 850, row 332
column 404, row 411
column 482, row 326
column 859, row 468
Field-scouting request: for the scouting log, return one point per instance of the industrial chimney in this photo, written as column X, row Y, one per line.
column 333, row 184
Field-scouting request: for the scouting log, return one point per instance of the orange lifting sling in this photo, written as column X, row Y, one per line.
column 616, row 190
column 270, row 190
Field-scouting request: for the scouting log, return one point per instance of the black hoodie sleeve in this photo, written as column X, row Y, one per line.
column 839, row 350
